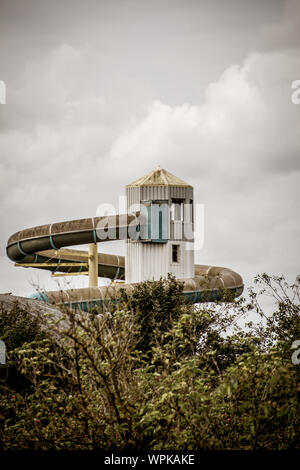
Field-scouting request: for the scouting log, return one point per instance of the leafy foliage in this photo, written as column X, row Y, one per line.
column 155, row 373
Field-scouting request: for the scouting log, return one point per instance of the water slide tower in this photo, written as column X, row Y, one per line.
column 164, row 243
column 158, row 228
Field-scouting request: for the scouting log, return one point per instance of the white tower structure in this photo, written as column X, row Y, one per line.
column 164, row 243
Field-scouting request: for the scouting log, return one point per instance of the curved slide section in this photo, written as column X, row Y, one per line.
column 209, row 285
column 43, row 247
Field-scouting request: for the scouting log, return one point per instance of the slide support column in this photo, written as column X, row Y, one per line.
column 93, row 265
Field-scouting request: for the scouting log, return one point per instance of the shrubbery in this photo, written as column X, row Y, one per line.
column 154, row 372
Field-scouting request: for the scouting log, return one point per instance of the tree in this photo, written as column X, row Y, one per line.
column 156, row 372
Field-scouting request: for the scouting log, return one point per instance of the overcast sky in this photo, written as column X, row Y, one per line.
column 101, row 92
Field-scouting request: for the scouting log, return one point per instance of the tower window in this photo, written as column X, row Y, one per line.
column 175, row 253
column 177, row 209
column 188, row 211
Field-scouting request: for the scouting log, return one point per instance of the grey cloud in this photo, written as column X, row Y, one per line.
column 101, row 92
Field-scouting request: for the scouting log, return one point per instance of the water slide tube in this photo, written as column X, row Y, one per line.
column 43, row 247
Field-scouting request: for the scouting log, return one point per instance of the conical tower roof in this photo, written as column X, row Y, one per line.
column 158, row 177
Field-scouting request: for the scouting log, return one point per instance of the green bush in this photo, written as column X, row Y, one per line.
column 156, row 373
